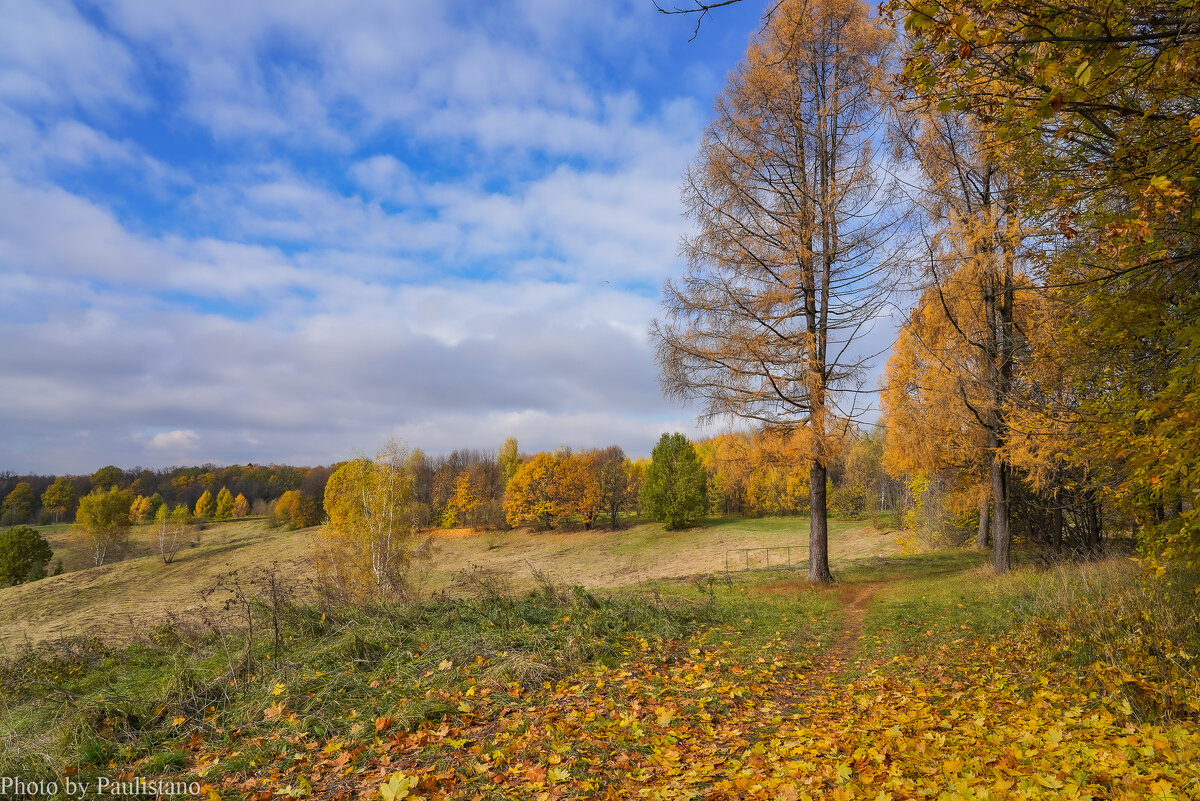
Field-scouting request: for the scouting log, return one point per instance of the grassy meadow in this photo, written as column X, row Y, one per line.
column 121, row 598
column 626, row 665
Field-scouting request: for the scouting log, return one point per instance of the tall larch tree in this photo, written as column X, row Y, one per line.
column 206, row 505
column 241, row 507
column 223, row 509
column 972, row 236
column 790, row 254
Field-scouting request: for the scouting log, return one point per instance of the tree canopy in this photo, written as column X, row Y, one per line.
column 675, row 490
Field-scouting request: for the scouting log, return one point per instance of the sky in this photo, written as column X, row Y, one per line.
column 287, row 230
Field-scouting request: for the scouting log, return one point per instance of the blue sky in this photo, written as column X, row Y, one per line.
column 281, row 231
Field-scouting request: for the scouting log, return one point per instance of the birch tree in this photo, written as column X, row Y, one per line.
column 366, row 546
column 102, row 522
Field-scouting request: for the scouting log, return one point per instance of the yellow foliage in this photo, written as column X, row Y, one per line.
column 365, row 549
column 546, row 490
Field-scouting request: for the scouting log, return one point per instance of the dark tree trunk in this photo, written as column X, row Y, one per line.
column 1001, row 535
column 1056, row 526
column 818, row 532
column 981, row 536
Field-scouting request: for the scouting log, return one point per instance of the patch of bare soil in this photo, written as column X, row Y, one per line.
column 855, row 598
column 837, row 657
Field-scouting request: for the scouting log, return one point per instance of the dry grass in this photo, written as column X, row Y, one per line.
column 122, row 599
column 645, row 552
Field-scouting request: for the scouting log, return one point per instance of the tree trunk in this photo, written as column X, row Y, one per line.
column 1001, row 536
column 818, row 530
column 1056, row 525
column 981, row 536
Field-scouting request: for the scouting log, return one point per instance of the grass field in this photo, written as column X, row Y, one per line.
column 915, row 676
column 122, row 598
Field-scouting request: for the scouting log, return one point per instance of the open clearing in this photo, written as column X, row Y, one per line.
column 916, row 676
column 121, row 599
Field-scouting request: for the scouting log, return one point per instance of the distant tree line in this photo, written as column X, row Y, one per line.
column 54, row 499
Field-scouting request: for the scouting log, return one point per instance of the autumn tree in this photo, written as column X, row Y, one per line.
column 785, row 269
column 241, row 507
column 544, row 491
column 171, row 527
column 295, row 510
column 675, row 490
column 637, row 479
column 144, row 509
column 18, row 504
column 582, row 471
column 153, row 504
column 367, row 546
column 971, row 266
column 612, row 482
column 935, row 381
column 1096, row 107
column 107, row 477
column 24, row 554
column 102, row 521
column 59, row 497
column 224, row 506
column 463, row 502
column 509, row 459
column 206, row 505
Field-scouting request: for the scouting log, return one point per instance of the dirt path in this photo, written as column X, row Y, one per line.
column 836, row 658
column 855, row 599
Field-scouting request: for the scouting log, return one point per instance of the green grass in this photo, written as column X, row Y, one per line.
column 341, row 673
column 89, row 706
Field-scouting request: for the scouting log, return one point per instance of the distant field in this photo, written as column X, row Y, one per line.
column 123, row 598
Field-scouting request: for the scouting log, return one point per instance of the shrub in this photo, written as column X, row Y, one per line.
column 24, row 555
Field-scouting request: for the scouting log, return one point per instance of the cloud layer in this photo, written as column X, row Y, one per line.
column 281, row 231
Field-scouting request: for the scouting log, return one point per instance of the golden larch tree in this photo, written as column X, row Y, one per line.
column 793, row 237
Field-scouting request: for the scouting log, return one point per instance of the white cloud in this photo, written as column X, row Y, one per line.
column 51, row 56
column 430, row 219
column 387, row 178
column 176, row 442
